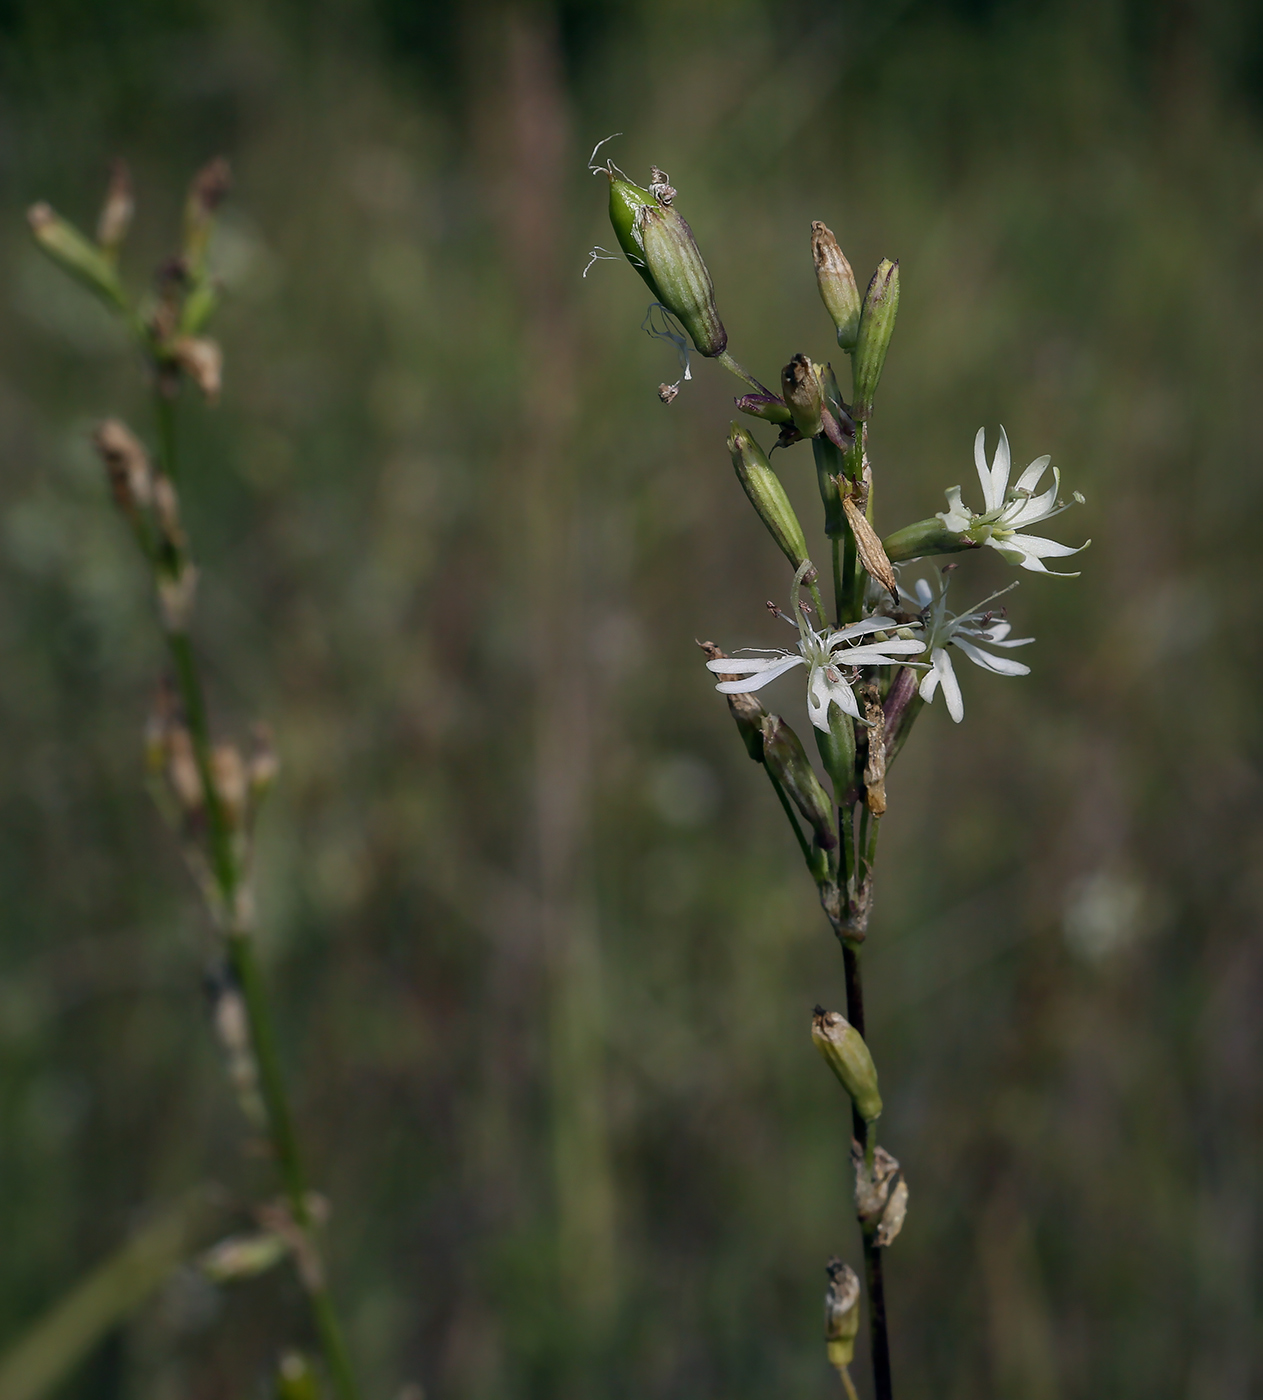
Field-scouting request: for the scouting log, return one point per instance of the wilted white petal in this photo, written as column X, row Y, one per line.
column 957, row 516
column 758, row 682
column 1001, row 665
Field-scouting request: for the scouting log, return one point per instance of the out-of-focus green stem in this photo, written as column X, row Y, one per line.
column 63, row 1336
column 243, row 959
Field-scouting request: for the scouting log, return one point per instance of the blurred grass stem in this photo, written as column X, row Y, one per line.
column 243, row 959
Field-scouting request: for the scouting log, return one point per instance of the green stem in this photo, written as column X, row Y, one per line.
column 839, row 597
column 164, row 416
column 743, row 374
column 848, row 1385
column 790, row 816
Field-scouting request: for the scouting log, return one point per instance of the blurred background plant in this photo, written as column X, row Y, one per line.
column 544, row 1004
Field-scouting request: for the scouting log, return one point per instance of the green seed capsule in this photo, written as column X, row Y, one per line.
column 766, row 494
column 788, row 763
column 877, row 323
column 847, row 1056
column 660, row 245
column 924, row 537
column 837, row 751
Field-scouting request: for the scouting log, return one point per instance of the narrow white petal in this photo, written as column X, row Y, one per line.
column 745, row 665
column 951, row 686
column 1001, row 465
column 758, row 682
column 818, row 699
column 1041, row 507
column 1000, row 665
column 957, row 516
column 924, row 592
column 878, row 653
column 984, row 473
column 1012, row 642
column 1029, row 479
column 929, row 682
column 1038, row 547
column 859, row 629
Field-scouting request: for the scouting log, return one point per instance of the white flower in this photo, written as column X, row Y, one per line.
column 828, row 656
column 1006, row 511
column 944, row 629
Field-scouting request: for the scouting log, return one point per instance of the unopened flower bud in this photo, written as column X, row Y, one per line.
column 841, row 1313
column 116, row 212
column 804, row 395
column 296, row 1378
column 127, row 465
column 766, row 494
column 745, row 709
column 228, row 773
column 848, row 1057
column 877, row 323
column 207, row 191
column 770, row 407
column 787, row 761
column 202, row 360
column 836, row 281
column 660, row 245
column 70, row 250
column 242, row 1256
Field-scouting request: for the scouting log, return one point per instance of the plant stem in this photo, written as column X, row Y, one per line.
column 839, row 597
column 848, row 1385
column 242, row 958
column 879, row 1341
column 743, row 374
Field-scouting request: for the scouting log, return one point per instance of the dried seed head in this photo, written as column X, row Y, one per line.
column 116, row 212
column 848, row 1057
column 872, row 1186
column 868, row 545
column 893, row 1216
column 207, row 191
column 203, row 361
column 767, row 495
column 875, row 764
column 804, row 395
column 837, row 285
column 228, row 772
column 841, row 1312
column 127, row 465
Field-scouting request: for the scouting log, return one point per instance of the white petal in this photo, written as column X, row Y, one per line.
column 1039, row 548
column 925, row 593
column 1000, row 665
column 859, row 629
column 745, row 665
column 1029, row 479
column 929, row 682
column 821, row 692
column 984, row 472
column 1038, row 507
column 951, row 687
column 758, row 682
column 957, row 516
column 878, row 653
column 1001, row 465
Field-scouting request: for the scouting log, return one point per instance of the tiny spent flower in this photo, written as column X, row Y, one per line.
column 964, row 631
column 1006, row 511
column 829, row 655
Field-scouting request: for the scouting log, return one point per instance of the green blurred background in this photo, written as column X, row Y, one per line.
column 543, row 951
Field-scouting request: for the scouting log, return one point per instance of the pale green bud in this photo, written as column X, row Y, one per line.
column 766, row 494
column 924, row 537
column 804, row 395
column 847, row 1056
column 70, row 250
column 877, row 323
column 836, row 281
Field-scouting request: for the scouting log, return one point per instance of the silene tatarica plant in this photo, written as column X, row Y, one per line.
column 873, row 646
